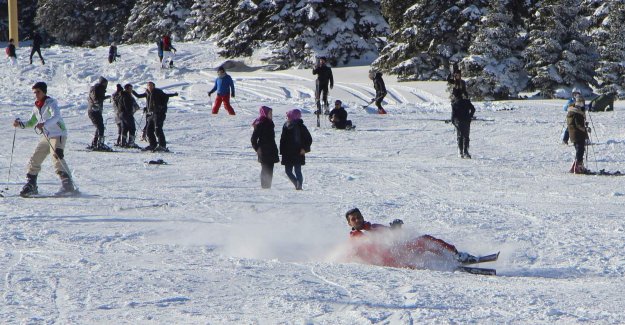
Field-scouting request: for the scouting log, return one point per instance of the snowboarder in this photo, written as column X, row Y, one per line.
column 338, row 117
column 97, row 95
column 578, row 133
column 264, row 143
column 168, row 58
column 380, row 90
column 383, row 245
column 224, row 86
column 47, row 120
column 324, row 78
column 36, row 48
column 565, row 131
column 295, row 142
column 127, row 108
column 462, row 111
column 10, row 50
column 113, row 53
column 156, row 101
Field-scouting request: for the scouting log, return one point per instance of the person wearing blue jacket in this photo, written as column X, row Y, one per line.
column 565, row 132
column 224, row 86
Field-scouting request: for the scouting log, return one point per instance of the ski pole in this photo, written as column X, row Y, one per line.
column 6, row 188
column 61, row 161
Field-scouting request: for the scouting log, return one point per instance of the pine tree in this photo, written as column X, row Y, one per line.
column 610, row 19
column 494, row 65
column 559, row 54
column 150, row 19
column 200, row 20
column 433, row 33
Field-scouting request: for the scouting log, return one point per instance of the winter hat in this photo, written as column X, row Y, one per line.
column 263, row 114
column 293, row 115
column 338, row 101
column 102, row 80
column 41, row 86
column 221, row 69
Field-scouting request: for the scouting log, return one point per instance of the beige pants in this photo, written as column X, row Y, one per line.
column 41, row 152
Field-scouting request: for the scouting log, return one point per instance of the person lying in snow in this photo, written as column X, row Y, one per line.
column 382, row 245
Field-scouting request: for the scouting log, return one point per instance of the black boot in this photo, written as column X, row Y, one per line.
column 30, row 188
column 466, row 149
column 67, row 185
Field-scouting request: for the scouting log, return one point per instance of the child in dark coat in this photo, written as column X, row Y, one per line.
column 295, row 142
column 264, row 143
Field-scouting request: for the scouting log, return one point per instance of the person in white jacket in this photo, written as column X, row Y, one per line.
column 47, row 120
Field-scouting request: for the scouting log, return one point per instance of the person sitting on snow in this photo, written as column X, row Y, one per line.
column 385, row 248
column 338, row 117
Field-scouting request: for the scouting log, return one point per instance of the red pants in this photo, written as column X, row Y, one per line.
column 227, row 106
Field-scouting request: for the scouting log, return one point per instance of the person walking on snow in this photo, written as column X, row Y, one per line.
column 462, row 111
column 168, row 57
column 156, row 101
column 159, row 49
column 578, row 133
column 10, row 50
column 224, row 86
column 47, row 120
column 295, row 142
column 380, row 90
column 378, row 244
column 264, row 143
column 324, row 78
column 338, row 117
column 36, row 48
column 565, row 131
column 97, row 95
column 113, row 53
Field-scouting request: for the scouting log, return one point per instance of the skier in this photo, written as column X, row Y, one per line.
column 47, row 120
column 338, row 117
column 462, row 111
column 565, row 131
column 96, row 105
column 383, row 245
column 324, row 77
column 159, row 47
column 578, row 133
column 113, row 53
column 264, row 143
column 156, row 101
column 127, row 108
column 167, row 52
column 380, row 90
column 115, row 97
column 10, row 50
column 36, row 48
column 224, row 86
column 295, row 142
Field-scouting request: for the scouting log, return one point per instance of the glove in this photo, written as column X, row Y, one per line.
column 176, row 94
column 588, row 130
column 232, row 95
column 210, row 93
column 396, row 224
column 373, row 99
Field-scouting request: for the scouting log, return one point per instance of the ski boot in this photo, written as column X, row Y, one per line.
column 161, row 149
column 381, row 111
column 466, row 258
column 466, row 154
column 30, row 188
column 67, row 185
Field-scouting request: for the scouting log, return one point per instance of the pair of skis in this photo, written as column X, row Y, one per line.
column 318, row 112
column 477, row 260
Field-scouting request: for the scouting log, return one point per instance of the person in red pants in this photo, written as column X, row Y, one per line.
column 224, row 86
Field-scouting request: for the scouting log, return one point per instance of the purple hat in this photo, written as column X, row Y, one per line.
column 294, row 114
column 263, row 113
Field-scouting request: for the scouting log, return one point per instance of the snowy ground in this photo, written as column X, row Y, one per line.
column 197, row 241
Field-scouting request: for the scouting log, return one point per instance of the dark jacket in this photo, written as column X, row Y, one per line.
column 338, row 117
column 324, row 75
column 294, row 137
column 156, row 100
column 576, row 123
column 97, row 95
column 378, row 85
column 11, row 51
column 462, row 110
column 264, row 142
column 127, row 105
column 36, row 41
column 458, row 89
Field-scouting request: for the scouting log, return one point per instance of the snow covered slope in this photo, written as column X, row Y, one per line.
column 198, row 241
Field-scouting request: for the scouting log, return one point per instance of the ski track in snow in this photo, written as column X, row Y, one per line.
column 197, row 241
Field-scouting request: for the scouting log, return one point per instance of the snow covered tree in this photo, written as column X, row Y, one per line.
column 433, row 33
column 559, row 54
column 607, row 37
column 297, row 31
column 494, row 65
column 83, row 22
column 200, row 20
column 150, row 19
